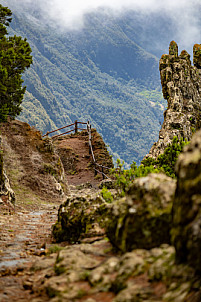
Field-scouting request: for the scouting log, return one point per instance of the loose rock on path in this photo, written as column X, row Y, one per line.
column 24, row 237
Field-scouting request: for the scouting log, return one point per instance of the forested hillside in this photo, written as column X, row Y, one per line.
column 99, row 73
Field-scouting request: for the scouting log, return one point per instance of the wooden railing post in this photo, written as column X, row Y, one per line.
column 88, row 125
column 89, row 133
column 76, row 126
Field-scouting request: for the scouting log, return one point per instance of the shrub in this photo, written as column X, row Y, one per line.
column 124, row 177
column 107, row 195
column 164, row 163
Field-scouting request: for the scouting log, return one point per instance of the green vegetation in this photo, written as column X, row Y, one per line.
column 124, row 177
column 107, row 195
column 14, row 59
column 58, row 269
column 165, row 163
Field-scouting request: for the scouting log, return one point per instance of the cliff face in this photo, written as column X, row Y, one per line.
column 181, row 86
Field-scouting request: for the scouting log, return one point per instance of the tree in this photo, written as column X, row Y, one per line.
column 15, row 58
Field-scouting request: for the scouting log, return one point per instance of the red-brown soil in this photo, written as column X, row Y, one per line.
column 74, row 153
column 25, row 235
column 77, row 160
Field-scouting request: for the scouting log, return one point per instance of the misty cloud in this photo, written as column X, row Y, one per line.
column 69, row 14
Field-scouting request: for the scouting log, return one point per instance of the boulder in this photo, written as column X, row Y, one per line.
column 186, row 231
column 87, row 272
column 80, row 216
column 142, row 219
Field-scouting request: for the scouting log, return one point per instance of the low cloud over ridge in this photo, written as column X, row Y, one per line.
column 69, row 14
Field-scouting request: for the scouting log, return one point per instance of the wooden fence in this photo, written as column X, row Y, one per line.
column 97, row 168
column 75, row 129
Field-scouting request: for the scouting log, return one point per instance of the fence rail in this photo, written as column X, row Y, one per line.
column 98, row 169
column 76, row 128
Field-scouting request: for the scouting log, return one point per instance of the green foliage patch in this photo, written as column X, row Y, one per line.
column 15, row 58
column 107, row 195
column 165, row 163
column 124, row 177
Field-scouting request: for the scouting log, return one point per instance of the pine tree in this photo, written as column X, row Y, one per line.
column 15, row 58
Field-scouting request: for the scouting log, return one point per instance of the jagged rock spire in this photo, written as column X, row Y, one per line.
column 173, row 49
column 181, row 86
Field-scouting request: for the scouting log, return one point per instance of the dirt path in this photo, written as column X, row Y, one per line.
column 35, row 172
column 76, row 160
column 24, row 237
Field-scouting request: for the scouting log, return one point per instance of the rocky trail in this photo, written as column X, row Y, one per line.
column 24, row 236
column 117, row 251
column 26, row 262
column 36, row 169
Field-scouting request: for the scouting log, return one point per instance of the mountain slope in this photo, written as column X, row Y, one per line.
column 98, row 74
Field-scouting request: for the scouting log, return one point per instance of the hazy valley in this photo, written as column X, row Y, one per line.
column 98, row 73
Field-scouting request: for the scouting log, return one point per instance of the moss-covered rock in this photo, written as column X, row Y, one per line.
column 83, row 272
column 79, row 217
column 6, row 193
column 186, row 231
column 142, row 219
